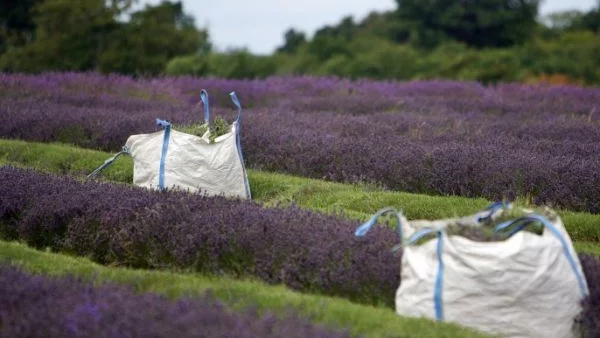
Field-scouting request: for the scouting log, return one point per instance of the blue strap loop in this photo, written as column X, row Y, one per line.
column 205, row 103
column 365, row 227
column 162, row 123
column 495, row 206
column 492, row 208
column 163, row 156
column 236, row 102
column 522, row 222
column 439, row 279
column 108, row 162
column 420, row 234
column 517, row 225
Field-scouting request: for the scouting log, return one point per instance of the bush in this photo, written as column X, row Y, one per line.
column 115, row 224
column 187, row 65
column 590, row 318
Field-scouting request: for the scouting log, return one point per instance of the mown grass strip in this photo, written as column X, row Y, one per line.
column 353, row 201
column 334, row 312
column 587, row 247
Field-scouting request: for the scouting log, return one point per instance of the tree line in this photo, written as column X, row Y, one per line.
column 483, row 40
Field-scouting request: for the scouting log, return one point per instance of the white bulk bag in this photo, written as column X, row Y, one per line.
column 169, row 159
column 528, row 285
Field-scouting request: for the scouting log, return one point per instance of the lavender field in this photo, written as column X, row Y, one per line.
column 434, row 137
column 431, row 137
column 134, row 227
column 36, row 306
column 129, row 226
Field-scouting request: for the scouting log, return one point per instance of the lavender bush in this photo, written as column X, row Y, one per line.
column 130, row 226
column 41, row 306
column 590, row 318
column 435, row 137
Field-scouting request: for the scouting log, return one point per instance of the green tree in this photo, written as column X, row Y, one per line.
column 240, row 64
column 293, row 40
column 478, row 23
column 346, row 30
column 195, row 65
column 384, row 25
column 590, row 20
column 300, row 63
column 69, row 35
column 16, row 23
column 574, row 54
column 151, row 38
column 563, row 20
column 325, row 47
column 379, row 58
column 90, row 35
column 337, row 65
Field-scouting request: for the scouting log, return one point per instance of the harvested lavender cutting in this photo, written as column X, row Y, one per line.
column 485, row 232
column 217, row 128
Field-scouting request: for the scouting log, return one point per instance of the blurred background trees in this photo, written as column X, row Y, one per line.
column 484, row 40
column 85, row 35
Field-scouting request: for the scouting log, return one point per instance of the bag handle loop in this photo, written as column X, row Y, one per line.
column 522, row 222
column 108, row 162
column 205, row 103
column 364, row 228
column 236, row 102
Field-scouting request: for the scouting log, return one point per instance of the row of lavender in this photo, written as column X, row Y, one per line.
column 120, row 224
column 37, row 306
column 429, row 137
column 306, row 251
